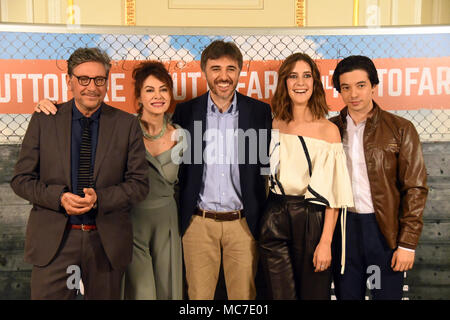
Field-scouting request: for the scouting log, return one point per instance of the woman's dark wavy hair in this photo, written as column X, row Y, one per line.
column 281, row 102
column 151, row 68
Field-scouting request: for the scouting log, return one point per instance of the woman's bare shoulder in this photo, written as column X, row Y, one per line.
column 329, row 131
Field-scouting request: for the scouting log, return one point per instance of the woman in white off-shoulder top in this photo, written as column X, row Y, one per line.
column 309, row 182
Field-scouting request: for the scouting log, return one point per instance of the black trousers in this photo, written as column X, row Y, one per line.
column 367, row 262
column 81, row 253
column 290, row 231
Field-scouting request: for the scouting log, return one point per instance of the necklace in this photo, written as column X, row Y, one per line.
column 149, row 136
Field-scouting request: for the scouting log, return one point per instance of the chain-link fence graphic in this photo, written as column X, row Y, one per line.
column 433, row 124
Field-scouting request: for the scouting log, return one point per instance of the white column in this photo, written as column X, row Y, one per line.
column 417, row 11
column 4, row 10
column 54, row 11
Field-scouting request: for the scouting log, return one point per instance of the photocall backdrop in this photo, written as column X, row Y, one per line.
column 413, row 65
column 414, row 70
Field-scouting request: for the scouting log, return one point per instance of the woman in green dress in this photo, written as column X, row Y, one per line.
column 156, row 268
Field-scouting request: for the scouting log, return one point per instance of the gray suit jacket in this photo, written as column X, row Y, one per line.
column 42, row 172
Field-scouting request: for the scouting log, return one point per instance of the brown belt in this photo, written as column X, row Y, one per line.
column 220, row 216
column 84, row 227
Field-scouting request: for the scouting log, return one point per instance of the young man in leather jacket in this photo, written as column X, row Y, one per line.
column 384, row 157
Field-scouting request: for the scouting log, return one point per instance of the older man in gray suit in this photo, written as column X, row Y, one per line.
column 82, row 170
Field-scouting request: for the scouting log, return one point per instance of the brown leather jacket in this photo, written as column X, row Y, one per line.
column 397, row 175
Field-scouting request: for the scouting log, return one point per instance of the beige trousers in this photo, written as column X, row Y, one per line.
column 204, row 243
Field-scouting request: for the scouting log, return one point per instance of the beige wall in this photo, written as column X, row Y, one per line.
column 33, row 11
column 15, row 11
column 377, row 12
column 434, row 11
column 274, row 13
column 326, row 13
column 101, row 12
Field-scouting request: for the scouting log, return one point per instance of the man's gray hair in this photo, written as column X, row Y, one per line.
column 82, row 55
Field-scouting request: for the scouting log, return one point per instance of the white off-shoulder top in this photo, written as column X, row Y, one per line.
column 311, row 167
column 314, row 168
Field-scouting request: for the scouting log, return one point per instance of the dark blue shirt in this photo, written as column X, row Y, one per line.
column 77, row 130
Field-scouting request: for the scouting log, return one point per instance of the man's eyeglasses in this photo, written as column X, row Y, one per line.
column 85, row 80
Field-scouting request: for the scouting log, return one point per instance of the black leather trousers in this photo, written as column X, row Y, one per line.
column 291, row 229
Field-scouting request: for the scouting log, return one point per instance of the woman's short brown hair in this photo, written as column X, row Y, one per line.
column 281, row 102
column 151, row 68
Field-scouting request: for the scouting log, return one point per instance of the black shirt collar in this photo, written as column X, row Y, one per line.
column 77, row 115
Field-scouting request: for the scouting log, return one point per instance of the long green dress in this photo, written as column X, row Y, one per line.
column 156, row 269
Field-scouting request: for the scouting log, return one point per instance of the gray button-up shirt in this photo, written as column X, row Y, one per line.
column 221, row 189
